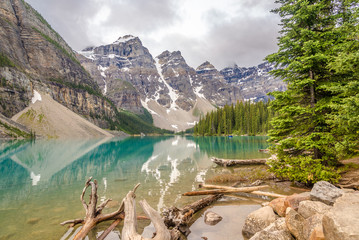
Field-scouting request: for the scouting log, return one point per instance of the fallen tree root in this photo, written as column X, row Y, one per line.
column 178, row 220
column 230, row 162
column 93, row 212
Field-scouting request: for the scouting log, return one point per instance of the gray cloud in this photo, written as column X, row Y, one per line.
column 242, row 40
column 245, row 38
column 71, row 18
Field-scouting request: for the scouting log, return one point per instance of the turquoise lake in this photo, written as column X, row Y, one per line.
column 41, row 181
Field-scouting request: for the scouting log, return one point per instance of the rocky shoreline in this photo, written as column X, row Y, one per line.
column 324, row 213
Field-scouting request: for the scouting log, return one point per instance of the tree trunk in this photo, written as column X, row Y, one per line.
column 312, row 90
column 218, row 191
column 230, row 162
column 179, row 219
column 268, row 194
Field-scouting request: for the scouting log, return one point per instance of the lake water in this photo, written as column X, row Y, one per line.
column 41, row 181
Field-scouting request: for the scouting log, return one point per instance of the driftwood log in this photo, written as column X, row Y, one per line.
column 267, row 194
column 129, row 230
column 233, row 162
column 178, row 220
column 229, row 190
column 93, row 212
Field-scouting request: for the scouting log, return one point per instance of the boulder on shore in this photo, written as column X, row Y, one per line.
column 294, row 223
column 258, row 220
column 325, row 192
column 278, row 206
column 310, row 208
column 342, row 221
column 276, row 231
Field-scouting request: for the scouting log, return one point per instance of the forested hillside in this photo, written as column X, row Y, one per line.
column 244, row 118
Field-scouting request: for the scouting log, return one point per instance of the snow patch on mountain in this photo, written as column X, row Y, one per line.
column 145, row 105
column 88, row 54
column 36, row 97
column 124, row 39
column 197, row 92
column 172, row 93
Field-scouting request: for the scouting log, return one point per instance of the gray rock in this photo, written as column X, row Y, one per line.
column 212, row 218
column 309, row 208
column 325, row 192
column 276, row 231
column 294, row 223
column 342, row 221
column 258, row 220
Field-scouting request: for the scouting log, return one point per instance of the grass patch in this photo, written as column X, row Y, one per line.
column 5, row 61
column 242, row 175
column 196, row 112
column 15, row 132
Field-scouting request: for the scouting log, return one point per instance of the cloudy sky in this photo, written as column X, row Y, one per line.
column 223, row 32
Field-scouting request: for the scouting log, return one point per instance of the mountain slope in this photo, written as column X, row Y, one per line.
column 49, row 118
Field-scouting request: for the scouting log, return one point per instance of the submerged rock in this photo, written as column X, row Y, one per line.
column 33, row 221
column 212, row 218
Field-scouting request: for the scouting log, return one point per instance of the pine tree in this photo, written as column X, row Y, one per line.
column 301, row 135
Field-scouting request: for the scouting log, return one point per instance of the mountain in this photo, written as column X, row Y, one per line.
column 162, row 85
column 173, row 92
column 33, row 56
column 254, row 83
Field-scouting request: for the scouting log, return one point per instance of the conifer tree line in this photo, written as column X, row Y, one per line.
column 243, row 118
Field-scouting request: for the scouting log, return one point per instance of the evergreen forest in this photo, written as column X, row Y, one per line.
column 243, row 118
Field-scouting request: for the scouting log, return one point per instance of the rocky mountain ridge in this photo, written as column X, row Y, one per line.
column 167, row 84
column 33, row 56
column 101, row 83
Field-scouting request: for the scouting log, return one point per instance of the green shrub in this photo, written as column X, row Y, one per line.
column 5, row 61
column 303, row 169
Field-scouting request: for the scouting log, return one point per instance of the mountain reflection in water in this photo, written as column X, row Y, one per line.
column 42, row 180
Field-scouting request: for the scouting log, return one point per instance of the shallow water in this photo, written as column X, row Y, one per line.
column 41, row 182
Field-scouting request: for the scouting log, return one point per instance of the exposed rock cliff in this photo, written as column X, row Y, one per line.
column 34, row 56
column 254, row 83
column 129, row 76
